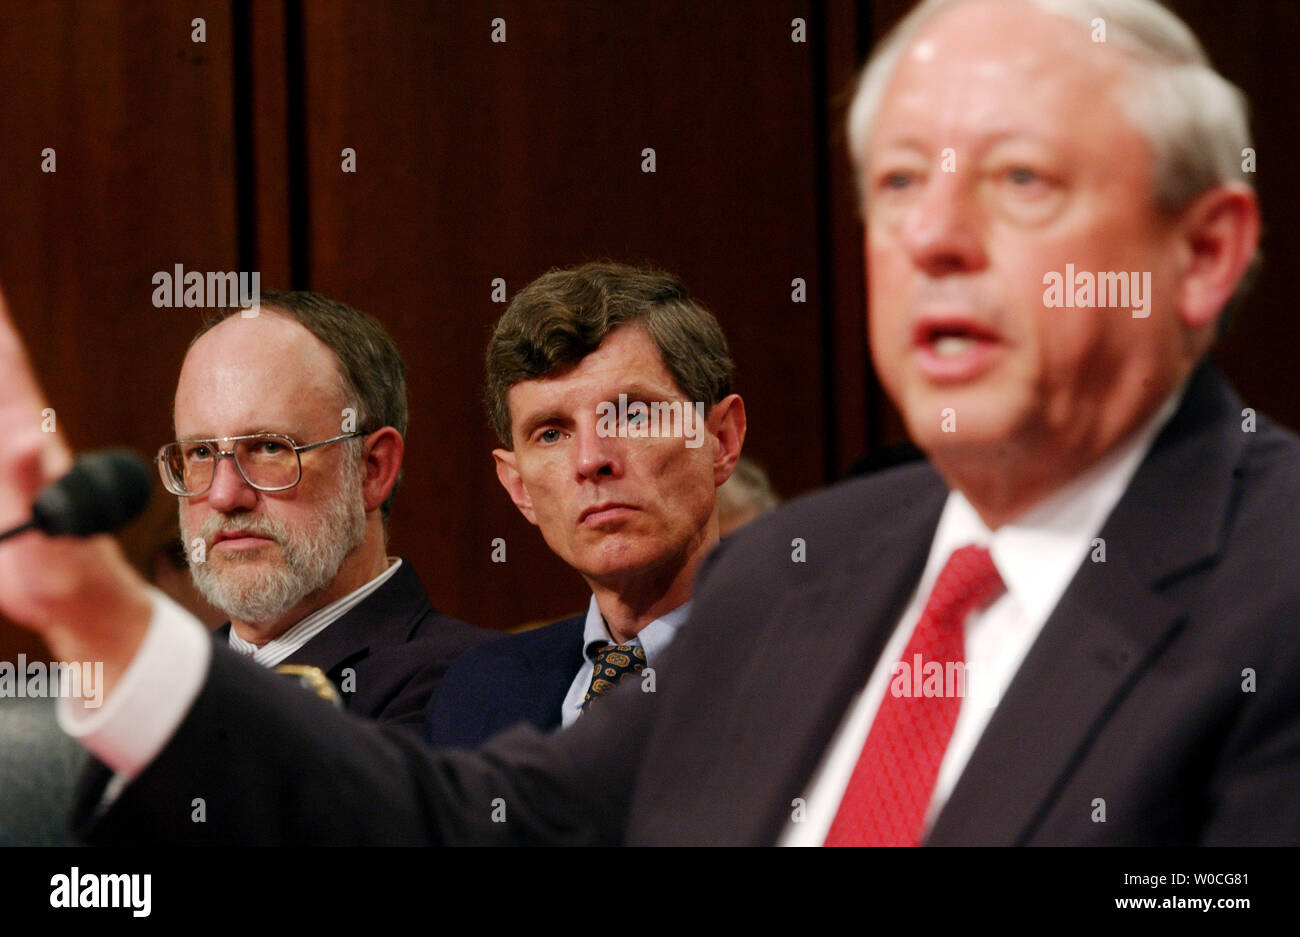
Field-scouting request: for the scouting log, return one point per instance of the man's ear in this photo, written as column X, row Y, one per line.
column 513, row 483
column 382, row 461
column 727, row 426
column 1220, row 232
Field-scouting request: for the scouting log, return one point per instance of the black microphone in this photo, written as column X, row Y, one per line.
column 102, row 492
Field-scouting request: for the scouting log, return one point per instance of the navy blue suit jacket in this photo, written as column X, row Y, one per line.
column 387, row 655
column 520, row 678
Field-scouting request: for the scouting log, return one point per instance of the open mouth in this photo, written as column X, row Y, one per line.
column 951, row 349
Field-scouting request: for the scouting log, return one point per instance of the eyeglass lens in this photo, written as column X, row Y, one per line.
column 266, row 462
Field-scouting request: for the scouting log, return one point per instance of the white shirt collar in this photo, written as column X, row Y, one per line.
column 654, row 637
column 293, row 638
column 1038, row 553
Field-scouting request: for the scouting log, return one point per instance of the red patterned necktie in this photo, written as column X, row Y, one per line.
column 894, row 779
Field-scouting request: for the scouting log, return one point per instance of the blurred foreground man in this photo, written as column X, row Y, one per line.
column 610, row 390
column 1102, row 539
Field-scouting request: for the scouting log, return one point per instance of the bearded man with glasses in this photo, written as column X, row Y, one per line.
column 289, row 427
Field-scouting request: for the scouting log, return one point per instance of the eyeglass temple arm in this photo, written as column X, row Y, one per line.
column 326, row 442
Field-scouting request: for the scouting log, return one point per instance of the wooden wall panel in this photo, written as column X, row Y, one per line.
column 139, row 117
column 1254, row 45
column 261, row 57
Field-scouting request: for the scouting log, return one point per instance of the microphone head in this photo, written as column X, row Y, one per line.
column 103, row 491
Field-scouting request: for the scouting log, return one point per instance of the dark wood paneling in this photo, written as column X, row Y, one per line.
column 269, row 113
column 140, row 120
column 852, row 389
column 1254, row 45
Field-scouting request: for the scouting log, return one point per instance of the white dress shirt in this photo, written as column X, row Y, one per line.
column 1037, row 555
column 654, row 638
column 294, row 637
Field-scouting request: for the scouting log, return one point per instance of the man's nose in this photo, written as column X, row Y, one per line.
column 229, row 491
column 597, row 454
column 942, row 229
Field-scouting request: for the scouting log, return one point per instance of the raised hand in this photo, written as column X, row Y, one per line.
column 80, row 595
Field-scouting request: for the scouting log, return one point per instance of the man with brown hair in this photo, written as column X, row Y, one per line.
column 610, row 390
column 290, row 426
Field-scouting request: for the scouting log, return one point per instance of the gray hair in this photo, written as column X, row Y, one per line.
column 746, row 494
column 1195, row 119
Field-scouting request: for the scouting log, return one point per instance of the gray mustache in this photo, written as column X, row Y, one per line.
column 260, row 526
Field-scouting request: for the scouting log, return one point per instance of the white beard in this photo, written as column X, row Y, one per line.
column 257, row 587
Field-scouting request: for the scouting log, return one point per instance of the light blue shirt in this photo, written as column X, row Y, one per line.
column 653, row 638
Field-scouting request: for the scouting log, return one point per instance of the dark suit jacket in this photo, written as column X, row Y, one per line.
column 1164, row 684
column 520, row 678
column 397, row 646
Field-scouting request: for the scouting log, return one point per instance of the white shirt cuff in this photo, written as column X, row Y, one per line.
column 160, row 685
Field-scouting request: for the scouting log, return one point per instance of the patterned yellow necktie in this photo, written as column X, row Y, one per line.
column 613, row 662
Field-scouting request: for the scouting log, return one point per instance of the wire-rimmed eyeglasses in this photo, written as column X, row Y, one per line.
column 267, row 461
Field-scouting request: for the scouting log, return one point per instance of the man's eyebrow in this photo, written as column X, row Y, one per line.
column 903, row 143
column 200, row 437
column 540, row 418
column 987, row 139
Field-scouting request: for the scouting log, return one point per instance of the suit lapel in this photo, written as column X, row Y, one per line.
column 1113, row 619
column 535, row 693
column 1096, row 642
column 374, row 621
column 819, row 666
